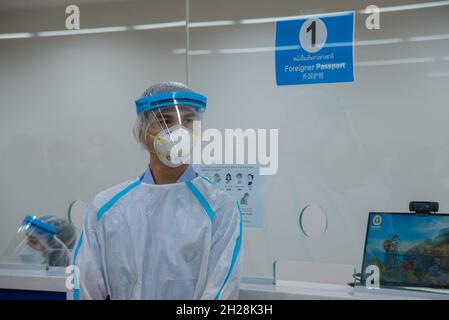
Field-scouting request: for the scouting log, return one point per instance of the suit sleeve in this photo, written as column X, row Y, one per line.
column 223, row 276
column 89, row 273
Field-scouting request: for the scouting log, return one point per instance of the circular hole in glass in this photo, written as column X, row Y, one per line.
column 313, row 221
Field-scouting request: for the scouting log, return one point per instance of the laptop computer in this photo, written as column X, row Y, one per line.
column 411, row 251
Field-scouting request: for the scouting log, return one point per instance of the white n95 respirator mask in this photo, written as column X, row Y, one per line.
column 173, row 146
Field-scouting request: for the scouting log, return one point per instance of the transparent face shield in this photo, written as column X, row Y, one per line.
column 36, row 244
column 172, row 125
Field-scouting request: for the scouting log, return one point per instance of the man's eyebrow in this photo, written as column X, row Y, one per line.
column 171, row 114
column 164, row 115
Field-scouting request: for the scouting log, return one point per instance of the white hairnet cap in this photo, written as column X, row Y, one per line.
column 165, row 87
column 67, row 231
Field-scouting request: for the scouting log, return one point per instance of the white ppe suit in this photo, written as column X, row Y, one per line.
column 170, row 241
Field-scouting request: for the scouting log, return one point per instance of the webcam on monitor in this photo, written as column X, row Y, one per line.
column 424, row 207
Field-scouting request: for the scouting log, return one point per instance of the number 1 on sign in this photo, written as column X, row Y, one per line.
column 312, row 28
column 313, row 35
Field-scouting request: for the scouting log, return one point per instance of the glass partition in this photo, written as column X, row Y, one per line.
column 67, row 98
column 345, row 149
column 340, row 149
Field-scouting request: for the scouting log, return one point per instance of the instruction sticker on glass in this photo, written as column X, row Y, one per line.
column 244, row 184
column 315, row 49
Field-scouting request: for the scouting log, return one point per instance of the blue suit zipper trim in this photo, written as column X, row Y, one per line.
column 76, row 291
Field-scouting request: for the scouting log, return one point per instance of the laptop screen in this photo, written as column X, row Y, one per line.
column 409, row 250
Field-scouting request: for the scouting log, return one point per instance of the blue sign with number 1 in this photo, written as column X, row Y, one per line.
column 315, row 49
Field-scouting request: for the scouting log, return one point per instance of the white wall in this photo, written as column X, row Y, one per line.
column 372, row 145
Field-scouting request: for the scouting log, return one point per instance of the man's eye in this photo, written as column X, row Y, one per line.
column 165, row 121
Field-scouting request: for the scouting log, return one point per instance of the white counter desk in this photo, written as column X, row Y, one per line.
column 317, row 291
column 29, row 283
column 40, row 284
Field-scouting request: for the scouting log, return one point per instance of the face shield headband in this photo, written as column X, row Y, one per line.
column 39, row 226
column 166, row 99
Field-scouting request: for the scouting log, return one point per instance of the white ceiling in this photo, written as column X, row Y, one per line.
column 28, row 4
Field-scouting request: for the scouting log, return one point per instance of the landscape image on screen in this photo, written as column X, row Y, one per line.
column 409, row 250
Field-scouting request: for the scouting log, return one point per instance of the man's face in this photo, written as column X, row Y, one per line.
column 165, row 118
